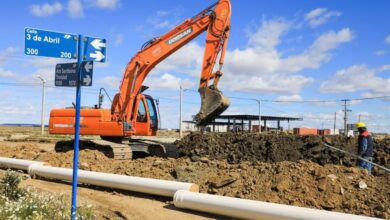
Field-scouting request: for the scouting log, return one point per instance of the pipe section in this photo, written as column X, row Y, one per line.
column 12, row 163
column 131, row 183
column 250, row 209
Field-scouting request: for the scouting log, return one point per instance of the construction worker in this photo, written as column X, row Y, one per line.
column 365, row 146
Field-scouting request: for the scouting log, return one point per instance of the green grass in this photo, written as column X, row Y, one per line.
column 17, row 203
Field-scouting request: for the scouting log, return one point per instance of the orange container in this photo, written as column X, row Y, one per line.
column 305, row 131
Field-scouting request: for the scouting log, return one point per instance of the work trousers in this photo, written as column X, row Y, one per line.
column 366, row 165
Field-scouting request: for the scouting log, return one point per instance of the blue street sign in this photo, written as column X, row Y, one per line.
column 50, row 44
column 66, row 74
column 95, row 50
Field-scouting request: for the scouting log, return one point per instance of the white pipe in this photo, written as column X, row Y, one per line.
column 137, row 184
column 250, row 209
column 12, row 163
column 131, row 183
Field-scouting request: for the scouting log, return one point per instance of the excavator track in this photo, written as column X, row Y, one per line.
column 119, row 151
column 125, row 151
column 152, row 148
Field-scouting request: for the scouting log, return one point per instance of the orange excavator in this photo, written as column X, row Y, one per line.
column 135, row 113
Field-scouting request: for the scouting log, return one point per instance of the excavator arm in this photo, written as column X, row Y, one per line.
column 216, row 21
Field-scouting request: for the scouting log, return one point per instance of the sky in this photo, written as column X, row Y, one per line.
column 281, row 50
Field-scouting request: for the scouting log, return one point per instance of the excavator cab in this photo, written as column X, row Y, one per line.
column 146, row 117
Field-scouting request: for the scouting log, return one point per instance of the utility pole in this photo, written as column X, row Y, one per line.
column 43, row 106
column 334, row 124
column 259, row 103
column 359, row 116
column 180, row 109
column 346, row 115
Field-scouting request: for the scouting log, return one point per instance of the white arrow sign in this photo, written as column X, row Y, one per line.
column 87, row 80
column 98, row 44
column 88, row 67
column 98, row 56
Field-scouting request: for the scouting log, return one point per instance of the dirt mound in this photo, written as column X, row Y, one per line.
column 382, row 153
column 299, row 183
column 239, row 147
column 23, row 151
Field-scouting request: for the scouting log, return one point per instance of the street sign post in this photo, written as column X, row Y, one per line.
column 66, row 74
column 80, row 53
column 69, row 46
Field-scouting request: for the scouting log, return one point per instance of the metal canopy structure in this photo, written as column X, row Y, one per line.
column 244, row 120
column 256, row 118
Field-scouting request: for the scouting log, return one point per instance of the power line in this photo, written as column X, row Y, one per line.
column 231, row 97
column 301, row 101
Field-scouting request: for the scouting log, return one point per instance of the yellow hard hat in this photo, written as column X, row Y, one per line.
column 360, row 125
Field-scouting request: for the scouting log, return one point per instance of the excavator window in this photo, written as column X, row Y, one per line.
column 152, row 113
column 141, row 117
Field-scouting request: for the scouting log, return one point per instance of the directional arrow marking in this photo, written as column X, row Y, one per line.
column 98, row 44
column 88, row 66
column 87, row 80
column 97, row 55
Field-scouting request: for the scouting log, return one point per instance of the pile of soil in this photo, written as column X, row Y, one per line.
column 253, row 147
column 300, row 183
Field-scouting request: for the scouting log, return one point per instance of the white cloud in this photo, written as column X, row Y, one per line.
column 101, row 65
column 380, row 53
column 46, row 9
column 110, row 81
column 267, row 37
column 320, row 16
column 105, row 4
column 18, row 110
column 44, row 62
column 318, row 52
column 167, row 82
column 41, row 66
column 289, row 98
column 387, row 40
column 362, row 115
column 274, row 83
column 45, row 73
column 261, row 67
column 358, row 78
column 187, row 59
column 118, row 39
column 164, row 19
column 75, row 9
column 5, row 54
column 6, row 73
column 159, row 21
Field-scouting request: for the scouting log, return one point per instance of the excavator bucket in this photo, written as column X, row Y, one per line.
column 213, row 103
